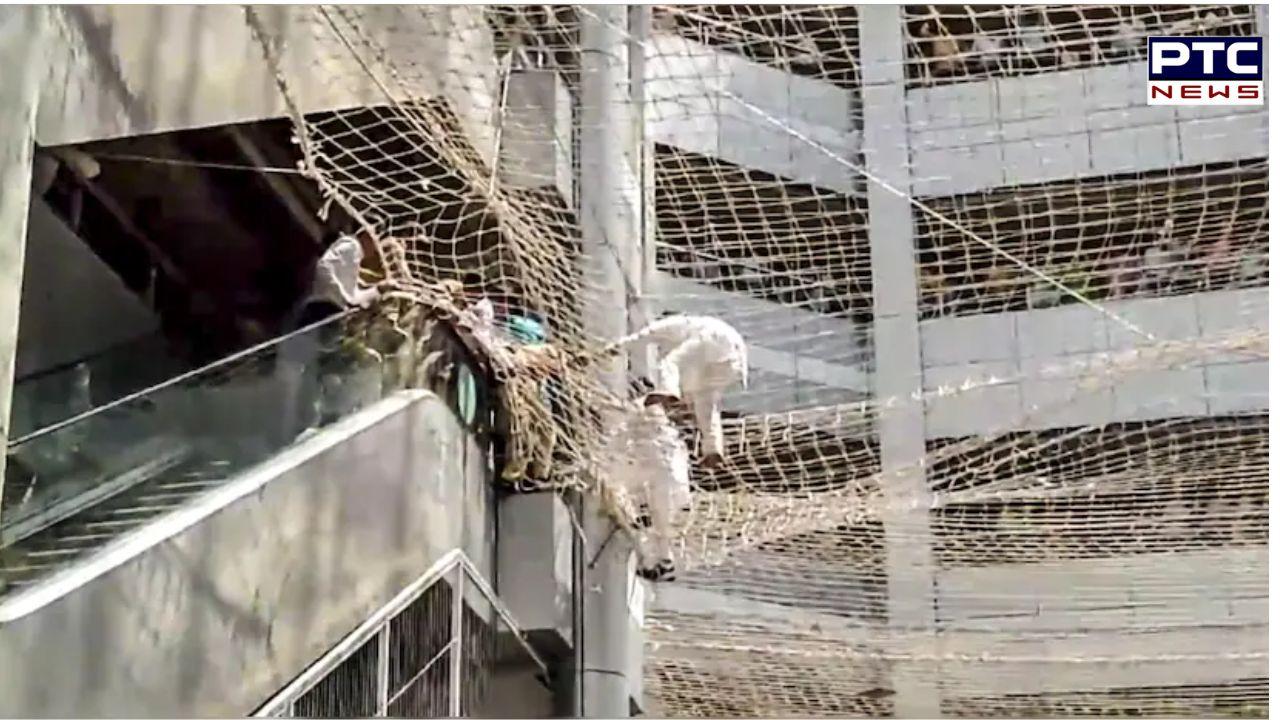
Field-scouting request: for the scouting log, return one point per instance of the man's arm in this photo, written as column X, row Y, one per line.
column 343, row 265
column 668, row 329
column 482, row 311
column 364, row 297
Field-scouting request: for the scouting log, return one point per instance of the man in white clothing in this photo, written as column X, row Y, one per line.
column 337, row 278
column 478, row 314
column 655, row 473
column 699, row 357
column 334, row 287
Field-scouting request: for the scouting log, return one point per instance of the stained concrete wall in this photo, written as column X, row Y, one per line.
column 209, row 610
column 119, row 70
column 23, row 31
column 537, row 133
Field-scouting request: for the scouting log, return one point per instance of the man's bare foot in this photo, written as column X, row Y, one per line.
column 711, row 461
column 663, row 399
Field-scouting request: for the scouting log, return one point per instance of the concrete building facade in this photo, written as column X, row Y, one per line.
column 900, row 147
column 214, row 568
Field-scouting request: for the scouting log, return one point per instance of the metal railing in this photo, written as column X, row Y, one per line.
column 429, row 652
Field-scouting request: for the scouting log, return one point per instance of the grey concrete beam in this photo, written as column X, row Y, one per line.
column 1086, row 123
column 711, row 102
column 806, row 368
column 1208, row 588
column 1030, row 664
column 993, row 661
column 1041, row 354
column 695, row 601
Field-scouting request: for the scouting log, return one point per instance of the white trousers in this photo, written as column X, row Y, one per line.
column 653, row 469
column 659, row 477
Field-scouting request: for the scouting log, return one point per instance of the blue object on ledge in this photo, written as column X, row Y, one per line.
column 527, row 329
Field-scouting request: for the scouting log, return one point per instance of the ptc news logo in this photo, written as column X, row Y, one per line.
column 1204, row 71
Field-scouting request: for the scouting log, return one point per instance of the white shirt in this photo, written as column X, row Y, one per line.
column 721, row 342
column 337, row 278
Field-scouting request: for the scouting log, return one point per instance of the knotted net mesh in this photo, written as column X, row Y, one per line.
column 1003, row 452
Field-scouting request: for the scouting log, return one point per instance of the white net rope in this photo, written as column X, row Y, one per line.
column 1075, row 523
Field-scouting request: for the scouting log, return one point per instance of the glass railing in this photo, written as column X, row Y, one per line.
column 53, row 395
column 213, row 422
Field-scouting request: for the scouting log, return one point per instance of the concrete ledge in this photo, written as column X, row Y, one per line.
column 1096, row 625
column 210, row 609
column 718, row 104
column 535, row 568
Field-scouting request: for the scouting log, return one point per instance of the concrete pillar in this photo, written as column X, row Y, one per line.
column 1264, row 29
column 610, row 212
column 537, row 132
column 535, row 568
column 22, row 31
column 897, row 351
column 644, row 308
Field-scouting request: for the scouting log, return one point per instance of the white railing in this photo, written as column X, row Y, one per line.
column 444, row 667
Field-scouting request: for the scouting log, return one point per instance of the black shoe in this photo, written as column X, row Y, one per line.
column 643, row 519
column 711, row 461
column 666, row 401
column 663, row 571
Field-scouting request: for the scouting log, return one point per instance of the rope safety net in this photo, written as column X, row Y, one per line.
column 1049, row 499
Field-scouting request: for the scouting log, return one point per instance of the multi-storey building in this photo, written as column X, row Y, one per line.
column 880, row 188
